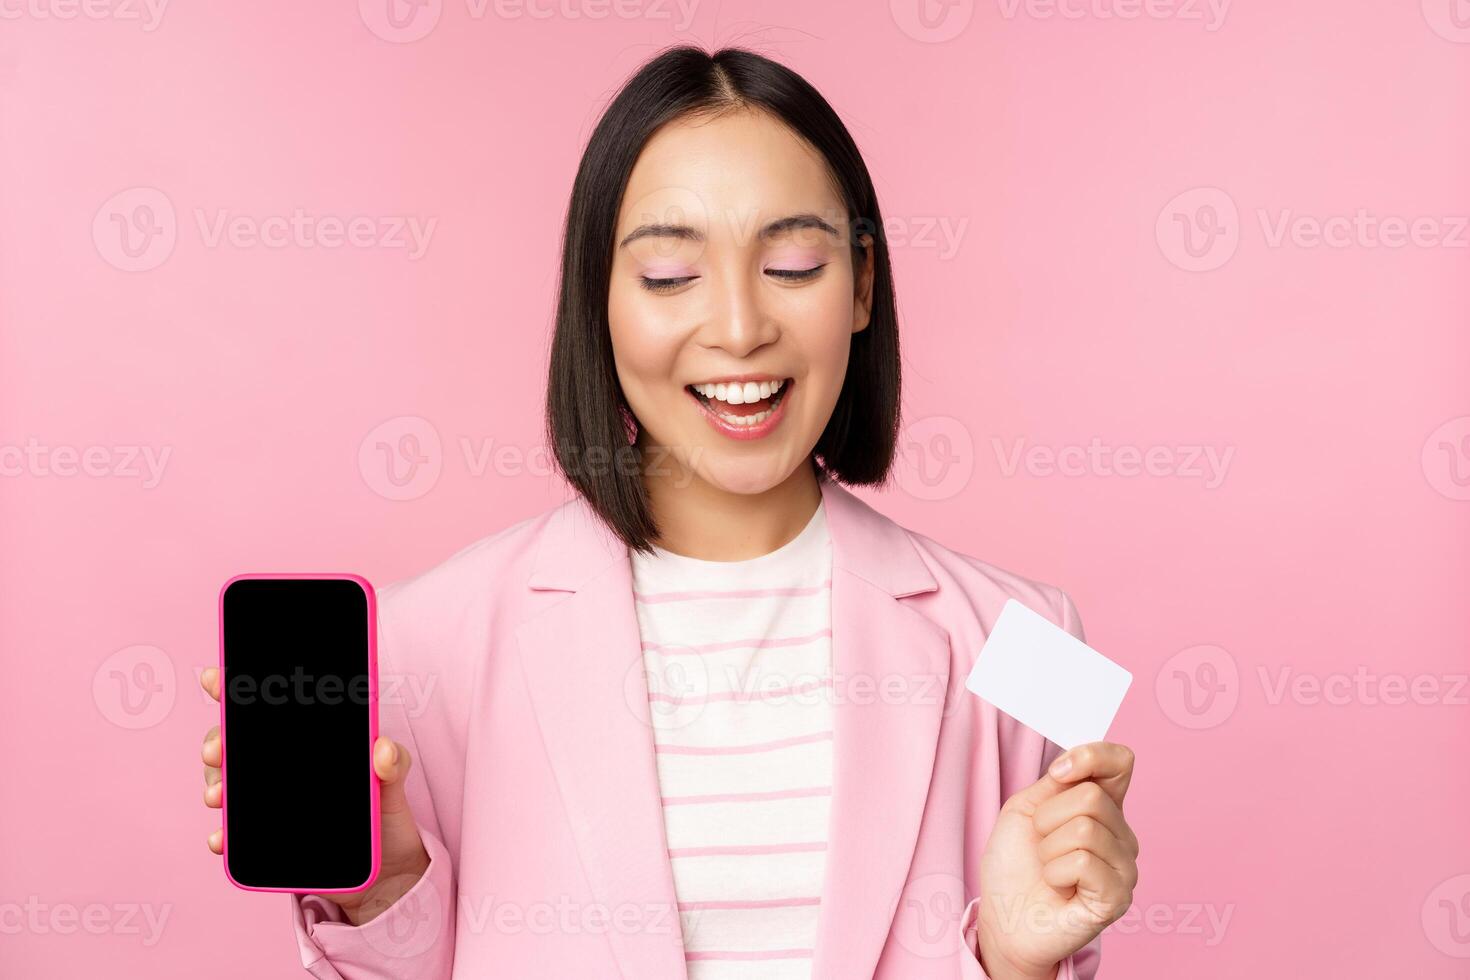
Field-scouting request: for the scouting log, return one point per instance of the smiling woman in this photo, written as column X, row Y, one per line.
column 741, row 251
column 715, row 699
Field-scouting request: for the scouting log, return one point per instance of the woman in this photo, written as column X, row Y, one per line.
column 708, row 717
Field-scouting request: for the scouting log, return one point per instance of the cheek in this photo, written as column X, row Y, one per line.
column 645, row 345
column 819, row 321
column 827, row 303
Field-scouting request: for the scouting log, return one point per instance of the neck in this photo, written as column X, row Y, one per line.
column 699, row 520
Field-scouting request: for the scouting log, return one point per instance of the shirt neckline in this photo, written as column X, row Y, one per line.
column 808, row 538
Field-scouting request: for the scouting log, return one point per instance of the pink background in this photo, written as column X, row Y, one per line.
column 1283, row 834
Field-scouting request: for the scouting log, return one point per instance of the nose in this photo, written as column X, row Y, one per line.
column 738, row 321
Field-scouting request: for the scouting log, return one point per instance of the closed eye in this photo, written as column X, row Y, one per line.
column 785, row 275
column 796, row 275
column 664, row 285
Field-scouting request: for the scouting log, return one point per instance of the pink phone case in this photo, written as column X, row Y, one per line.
column 372, row 780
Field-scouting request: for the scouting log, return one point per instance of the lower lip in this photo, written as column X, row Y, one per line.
column 758, row 431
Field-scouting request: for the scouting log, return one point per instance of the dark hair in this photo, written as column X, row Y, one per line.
column 589, row 424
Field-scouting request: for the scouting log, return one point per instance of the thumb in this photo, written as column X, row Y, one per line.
column 391, row 762
column 404, row 857
column 1026, row 801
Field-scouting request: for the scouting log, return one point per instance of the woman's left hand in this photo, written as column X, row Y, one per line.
column 1060, row 864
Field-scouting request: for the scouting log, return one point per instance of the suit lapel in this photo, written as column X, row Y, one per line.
column 582, row 659
column 583, row 664
column 891, row 672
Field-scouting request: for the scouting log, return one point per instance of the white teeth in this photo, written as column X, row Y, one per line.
column 740, row 394
column 755, row 419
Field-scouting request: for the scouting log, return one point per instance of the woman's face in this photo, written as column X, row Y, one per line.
column 733, row 300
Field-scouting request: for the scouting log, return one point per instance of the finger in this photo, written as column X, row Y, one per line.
column 1083, row 800
column 391, row 762
column 1096, row 882
column 1087, row 834
column 217, row 842
column 1026, row 801
column 214, row 793
column 212, row 753
column 209, row 680
column 1108, row 764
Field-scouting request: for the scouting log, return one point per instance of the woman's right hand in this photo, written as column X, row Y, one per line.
column 404, row 857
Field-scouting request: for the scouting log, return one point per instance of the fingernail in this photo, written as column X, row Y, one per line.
column 1061, row 767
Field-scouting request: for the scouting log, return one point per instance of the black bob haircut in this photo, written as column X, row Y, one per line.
column 589, row 424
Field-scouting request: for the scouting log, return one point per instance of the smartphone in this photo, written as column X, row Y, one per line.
column 298, row 718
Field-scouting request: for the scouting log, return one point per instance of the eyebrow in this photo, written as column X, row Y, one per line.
column 779, row 226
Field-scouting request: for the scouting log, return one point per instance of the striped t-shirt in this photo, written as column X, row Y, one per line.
column 738, row 656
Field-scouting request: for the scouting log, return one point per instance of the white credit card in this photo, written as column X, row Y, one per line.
column 1047, row 679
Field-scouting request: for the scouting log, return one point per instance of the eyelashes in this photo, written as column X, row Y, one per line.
column 663, row 285
column 796, row 275
column 784, row 275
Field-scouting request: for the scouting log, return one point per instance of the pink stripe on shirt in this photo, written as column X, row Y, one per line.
column 745, row 767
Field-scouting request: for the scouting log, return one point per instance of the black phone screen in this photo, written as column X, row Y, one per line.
column 297, row 738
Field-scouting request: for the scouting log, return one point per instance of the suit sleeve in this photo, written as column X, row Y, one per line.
column 412, row 939
column 1083, row 964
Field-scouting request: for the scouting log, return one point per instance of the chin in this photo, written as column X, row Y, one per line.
column 745, row 476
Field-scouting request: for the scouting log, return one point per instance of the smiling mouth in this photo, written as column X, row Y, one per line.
column 741, row 411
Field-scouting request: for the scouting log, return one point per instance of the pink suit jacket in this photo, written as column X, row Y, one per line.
column 513, row 674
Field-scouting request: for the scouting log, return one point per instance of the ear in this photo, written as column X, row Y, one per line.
column 862, row 299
